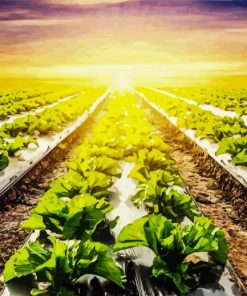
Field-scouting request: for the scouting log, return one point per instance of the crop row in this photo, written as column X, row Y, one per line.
column 229, row 133
column 30, row 104
column 12, row 96
column 14, row 102
column 72, row 215
column 226, row 99
column 15, row 136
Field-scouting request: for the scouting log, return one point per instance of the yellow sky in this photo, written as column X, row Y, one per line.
column 142, row 39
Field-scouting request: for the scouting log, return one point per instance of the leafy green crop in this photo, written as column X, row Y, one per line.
column 155, row 192
column 78, row 218
column 228, row 99
column 10, row 148
column 4, row 159
column 19, row 143
column 158, row 177
column 76, row 204
column 97, row 151
column 218, row 129
column 103, row 164
column 236, row 147
column 14, row 102
column 51, row 119
column 177, row 248
column 72, row 183
column 136, row 142
column 152, row 160
column 61, row 264
column 170, row 203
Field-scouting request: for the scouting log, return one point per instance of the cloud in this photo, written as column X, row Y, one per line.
column 53, row 33
column 85, row 2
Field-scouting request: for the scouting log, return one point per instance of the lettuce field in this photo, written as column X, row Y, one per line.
column 123, row 148
column 123, row 190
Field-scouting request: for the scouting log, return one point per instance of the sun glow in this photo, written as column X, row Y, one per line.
column 122, row 82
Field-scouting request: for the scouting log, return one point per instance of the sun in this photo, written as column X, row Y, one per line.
column 122, row 82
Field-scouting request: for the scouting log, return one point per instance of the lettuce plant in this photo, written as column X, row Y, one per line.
column 73, row 183
column 156, row 194
column 236, row 147
column 177, row 248
column 59, row 264
column 77, row 218
column 103, row 164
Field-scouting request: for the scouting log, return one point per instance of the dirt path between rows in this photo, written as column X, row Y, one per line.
column 212, row 200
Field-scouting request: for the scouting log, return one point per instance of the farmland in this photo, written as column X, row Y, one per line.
column 122, row 190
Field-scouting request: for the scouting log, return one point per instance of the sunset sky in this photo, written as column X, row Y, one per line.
column 166, row 38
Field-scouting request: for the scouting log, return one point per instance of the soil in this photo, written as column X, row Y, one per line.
column 17, row 202
column 214, row 201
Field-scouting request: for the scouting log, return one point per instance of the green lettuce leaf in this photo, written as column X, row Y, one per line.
column 4, row 159
column 132, row 235
column 175, row 245
column 76, row 218
column 62, row 263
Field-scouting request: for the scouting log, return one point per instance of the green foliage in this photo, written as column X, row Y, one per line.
column 4, row 159
column 230, row 99
column 73, row 183
column 150, row 160
column 174, row 246
column 11, row 147
column 19, row 143
column 229, row 132
column 157, row 195
column 62, row 263
column 75, row 207
column 51, row 119
column 236, row 147
column 15, row 103
column 103, row 164
column 78, row 218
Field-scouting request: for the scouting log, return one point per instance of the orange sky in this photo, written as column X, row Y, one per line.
column 164, row 38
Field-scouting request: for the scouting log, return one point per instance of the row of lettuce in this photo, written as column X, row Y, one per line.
column 72, row 215
column 25, row 105
column 15, row 102
column 18, row 134
column 15, row 95
column 230, row 133
column 229, row 99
